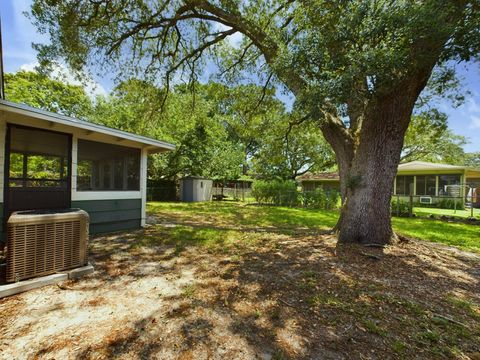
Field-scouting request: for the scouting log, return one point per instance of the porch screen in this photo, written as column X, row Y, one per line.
column 404, row 185
column 108, row 167
column 38, row 158
column 426, row 184
column 444, row 180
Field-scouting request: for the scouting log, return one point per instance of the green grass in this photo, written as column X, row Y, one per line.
column 421, row 211
column 223, row 215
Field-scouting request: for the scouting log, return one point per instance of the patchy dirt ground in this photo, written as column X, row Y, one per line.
column 188, row 287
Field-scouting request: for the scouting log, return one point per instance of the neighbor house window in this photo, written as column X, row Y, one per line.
column 104, row 166
column 404, row 184
column 443, row 185
column 426, row 184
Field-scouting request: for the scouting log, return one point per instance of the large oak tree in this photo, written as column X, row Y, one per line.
column 356, row 68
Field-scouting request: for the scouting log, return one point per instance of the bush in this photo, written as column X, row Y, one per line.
column 449, row 204
column 399, row 208
column 276, row 192
column 321, row 199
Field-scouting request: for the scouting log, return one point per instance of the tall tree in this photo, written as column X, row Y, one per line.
column 354, row 67
column 428, row 138
column 472, row 159
column 40, row 91
column 287, row 151
column 203, row 144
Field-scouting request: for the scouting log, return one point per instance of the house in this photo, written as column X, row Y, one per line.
column 51, row 161
column 426, row 182
column 326, row 180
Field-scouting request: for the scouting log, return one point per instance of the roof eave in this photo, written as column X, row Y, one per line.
column 82, row 124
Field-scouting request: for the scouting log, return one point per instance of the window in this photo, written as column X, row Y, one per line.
column 426, row 184
column 404, row 185
column 444, row 181
column 104, row 166
column 38, row 158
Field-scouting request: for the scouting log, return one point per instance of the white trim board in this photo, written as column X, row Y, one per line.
column 105, row 195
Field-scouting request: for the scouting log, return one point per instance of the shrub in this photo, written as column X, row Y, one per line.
column 449, row 204
column 276, row 192
column 321, row 199
column 399, row 207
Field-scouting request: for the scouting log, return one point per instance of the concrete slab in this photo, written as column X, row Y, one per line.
column 81, row 271
column 21, row 286
column 25, row 285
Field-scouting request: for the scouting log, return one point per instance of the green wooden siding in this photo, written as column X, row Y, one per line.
column 111, row 215
column 2, row 234
column 1, row 216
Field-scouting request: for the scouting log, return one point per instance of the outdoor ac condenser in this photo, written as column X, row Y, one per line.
column 425, row 200
column 44, row 242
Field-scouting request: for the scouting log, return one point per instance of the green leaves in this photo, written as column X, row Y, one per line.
column 39, row 91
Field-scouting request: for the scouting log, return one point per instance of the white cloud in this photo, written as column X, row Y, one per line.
column 62, row 73
column 234, row 40
column 473, row 106
column 475, row 124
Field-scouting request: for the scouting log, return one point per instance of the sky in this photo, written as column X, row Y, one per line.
column 19, row 34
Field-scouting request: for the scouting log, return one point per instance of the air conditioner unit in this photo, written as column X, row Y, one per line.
column 42, row 242
column 425, row 200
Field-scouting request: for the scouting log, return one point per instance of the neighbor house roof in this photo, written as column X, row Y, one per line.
column 54, row 118
column 427, row 166
column 324, row 176
column 412, row 167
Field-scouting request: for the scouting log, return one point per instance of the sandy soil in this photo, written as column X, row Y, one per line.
column 281, row 296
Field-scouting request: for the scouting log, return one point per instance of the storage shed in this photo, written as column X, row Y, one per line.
column 51, row 161
column 194, row 188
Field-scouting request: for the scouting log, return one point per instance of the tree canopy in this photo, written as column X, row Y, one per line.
column 37, row 90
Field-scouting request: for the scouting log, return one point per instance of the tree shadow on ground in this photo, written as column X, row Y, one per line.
column 280, row 295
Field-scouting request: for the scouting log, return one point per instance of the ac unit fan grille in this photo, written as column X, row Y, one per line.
column 41, row 249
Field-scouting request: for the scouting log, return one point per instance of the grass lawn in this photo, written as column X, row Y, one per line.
column 421, row 211
column 226, row 281
column 465, row 236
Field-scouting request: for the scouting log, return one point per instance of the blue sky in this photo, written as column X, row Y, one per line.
column 18, row 35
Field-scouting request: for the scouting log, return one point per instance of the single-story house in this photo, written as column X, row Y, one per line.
column 427, row 182
column 51, row 161
column 326, row 180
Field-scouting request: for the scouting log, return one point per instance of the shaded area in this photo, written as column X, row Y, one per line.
column 208, row 285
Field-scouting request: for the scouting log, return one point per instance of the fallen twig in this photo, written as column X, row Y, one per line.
column 371, row 256
column 375, row 245
column 449, row 319
column 286, row 303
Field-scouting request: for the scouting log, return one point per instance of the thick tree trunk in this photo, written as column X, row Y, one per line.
column 368, row 167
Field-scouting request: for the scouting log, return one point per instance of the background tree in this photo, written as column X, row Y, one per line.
column 356, row 68
column 288, row 151
column 40, row 91
column 472, row 160
column 428, row 138
column 203, row 144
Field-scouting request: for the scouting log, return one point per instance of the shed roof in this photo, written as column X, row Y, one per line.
column 82, row 124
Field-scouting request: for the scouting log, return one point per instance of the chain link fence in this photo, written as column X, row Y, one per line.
column 403, row 205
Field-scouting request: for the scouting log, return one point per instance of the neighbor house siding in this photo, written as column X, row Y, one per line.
column 112, row 215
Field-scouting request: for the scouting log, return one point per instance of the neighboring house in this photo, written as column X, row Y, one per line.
column 51, row 161
column 326, row 180
column 429, row 181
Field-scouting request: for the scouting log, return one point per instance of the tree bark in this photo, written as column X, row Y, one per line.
column 368, row 165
